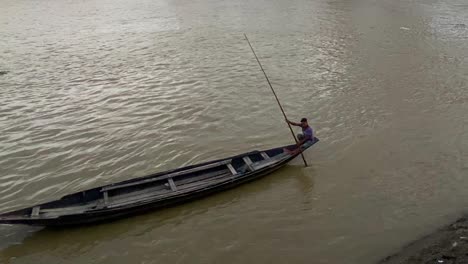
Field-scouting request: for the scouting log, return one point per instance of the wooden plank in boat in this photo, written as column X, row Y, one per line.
column 264, row 164
column 156, row 190
column 106, row 197
column 67, row 209
column 172, row 184
column 167, row 176
column 202, row 177
column 265, row 156
column 143, row 195
column 35, row 211
column 186, row 188
column 248, row 162
column 231, row 169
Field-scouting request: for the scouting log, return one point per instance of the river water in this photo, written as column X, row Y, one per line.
column 98, row 91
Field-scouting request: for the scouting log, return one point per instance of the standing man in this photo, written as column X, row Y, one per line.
column 307, row 133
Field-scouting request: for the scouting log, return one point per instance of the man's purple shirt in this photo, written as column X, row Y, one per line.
column 308, row 133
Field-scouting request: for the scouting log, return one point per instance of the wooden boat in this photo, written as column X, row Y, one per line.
column 158, row 190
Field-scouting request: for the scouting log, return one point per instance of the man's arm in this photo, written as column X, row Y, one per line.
column 293, row 123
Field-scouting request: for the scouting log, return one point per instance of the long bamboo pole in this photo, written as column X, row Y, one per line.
column 276, row 97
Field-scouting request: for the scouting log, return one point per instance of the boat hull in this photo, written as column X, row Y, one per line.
column 111, row 214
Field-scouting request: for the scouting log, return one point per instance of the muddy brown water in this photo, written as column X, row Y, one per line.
column 103, row 91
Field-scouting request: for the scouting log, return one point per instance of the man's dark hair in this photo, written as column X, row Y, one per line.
column 304, row 119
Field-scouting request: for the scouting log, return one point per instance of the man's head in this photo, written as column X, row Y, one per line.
column 304, row 122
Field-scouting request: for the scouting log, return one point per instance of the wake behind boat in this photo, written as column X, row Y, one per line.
column 155, row 191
